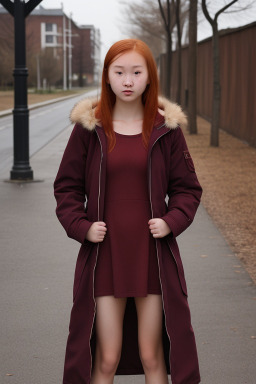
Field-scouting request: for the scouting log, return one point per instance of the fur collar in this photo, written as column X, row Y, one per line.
column 83, row 113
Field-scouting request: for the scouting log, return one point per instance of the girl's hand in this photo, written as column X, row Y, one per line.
column 96, row 232
column 159, row 228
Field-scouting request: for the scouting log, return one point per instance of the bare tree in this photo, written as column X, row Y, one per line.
column 192, row 67
column 179, row 61
column 6, row 51
column 143, row 21
column 50, row 66
column 6, row 66
column 166, row 16
column 214, row 141
column 154, row 23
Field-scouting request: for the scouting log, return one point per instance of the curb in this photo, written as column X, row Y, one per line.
column 8, row 112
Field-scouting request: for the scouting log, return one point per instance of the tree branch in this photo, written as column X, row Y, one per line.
column 206, row 13
column 162, row 14
column 168, row 15
column 224, row 8
column 142, row 26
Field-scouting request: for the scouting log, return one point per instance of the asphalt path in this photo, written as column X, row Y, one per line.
column 37, row 263
column 45, row 123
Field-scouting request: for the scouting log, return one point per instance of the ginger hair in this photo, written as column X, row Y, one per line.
column 104, row 109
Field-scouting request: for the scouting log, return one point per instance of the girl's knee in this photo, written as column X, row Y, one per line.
column 108, row 363
column 150, row 359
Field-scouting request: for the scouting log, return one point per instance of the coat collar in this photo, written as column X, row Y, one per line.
column 170, row 114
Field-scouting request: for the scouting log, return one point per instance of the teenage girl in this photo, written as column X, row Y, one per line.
column 126, row 154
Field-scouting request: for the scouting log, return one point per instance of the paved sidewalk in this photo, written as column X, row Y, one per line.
column 36, row 276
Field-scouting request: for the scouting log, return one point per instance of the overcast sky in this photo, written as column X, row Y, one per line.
column 107, row 15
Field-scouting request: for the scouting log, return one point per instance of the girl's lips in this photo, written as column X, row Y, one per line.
column 127, row 92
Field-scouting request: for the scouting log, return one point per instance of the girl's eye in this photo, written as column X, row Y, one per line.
column 119, row 73
column 137, row 72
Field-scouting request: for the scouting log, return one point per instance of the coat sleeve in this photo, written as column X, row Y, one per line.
column 69, row 187
column 184, row 190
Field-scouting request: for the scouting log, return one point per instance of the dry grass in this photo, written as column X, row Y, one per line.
column 7, row 97
column 228, row 177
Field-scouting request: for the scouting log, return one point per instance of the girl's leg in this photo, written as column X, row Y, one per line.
column 109, row 331
column 150, row 313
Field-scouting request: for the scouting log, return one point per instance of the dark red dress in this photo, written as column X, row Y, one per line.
column 127, row 262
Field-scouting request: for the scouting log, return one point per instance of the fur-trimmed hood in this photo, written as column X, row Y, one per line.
column 83, row 113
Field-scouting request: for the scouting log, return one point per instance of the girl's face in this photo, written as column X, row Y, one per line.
column 128, row 76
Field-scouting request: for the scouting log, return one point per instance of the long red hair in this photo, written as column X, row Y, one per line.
column 105, row 106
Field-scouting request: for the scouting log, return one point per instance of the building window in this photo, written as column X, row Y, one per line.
column 49, row 35
column 49, row 39
column 48, row 27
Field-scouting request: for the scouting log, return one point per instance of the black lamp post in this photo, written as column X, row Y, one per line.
column 21, row 169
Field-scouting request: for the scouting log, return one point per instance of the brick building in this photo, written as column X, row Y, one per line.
column 55, row 45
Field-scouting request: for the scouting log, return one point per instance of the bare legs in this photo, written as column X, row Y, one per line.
column 109, row 327
column 150, row 312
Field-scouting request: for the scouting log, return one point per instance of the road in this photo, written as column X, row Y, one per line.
column 44, row 124
column 37, row 266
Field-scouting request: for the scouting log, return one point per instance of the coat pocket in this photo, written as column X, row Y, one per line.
column 189, row 161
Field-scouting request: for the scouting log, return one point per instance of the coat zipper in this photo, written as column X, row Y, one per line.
column 150, row 194
column 150, row 198
column 97, row 252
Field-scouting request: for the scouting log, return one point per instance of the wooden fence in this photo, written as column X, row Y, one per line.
column 238, row 81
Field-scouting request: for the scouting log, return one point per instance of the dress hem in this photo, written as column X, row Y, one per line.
column 120, row 296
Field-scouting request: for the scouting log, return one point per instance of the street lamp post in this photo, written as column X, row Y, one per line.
column 21, row 169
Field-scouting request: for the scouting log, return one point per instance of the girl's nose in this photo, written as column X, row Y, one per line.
column 128, row 81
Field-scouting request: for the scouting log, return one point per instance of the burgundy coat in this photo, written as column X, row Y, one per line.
column 79, row 191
